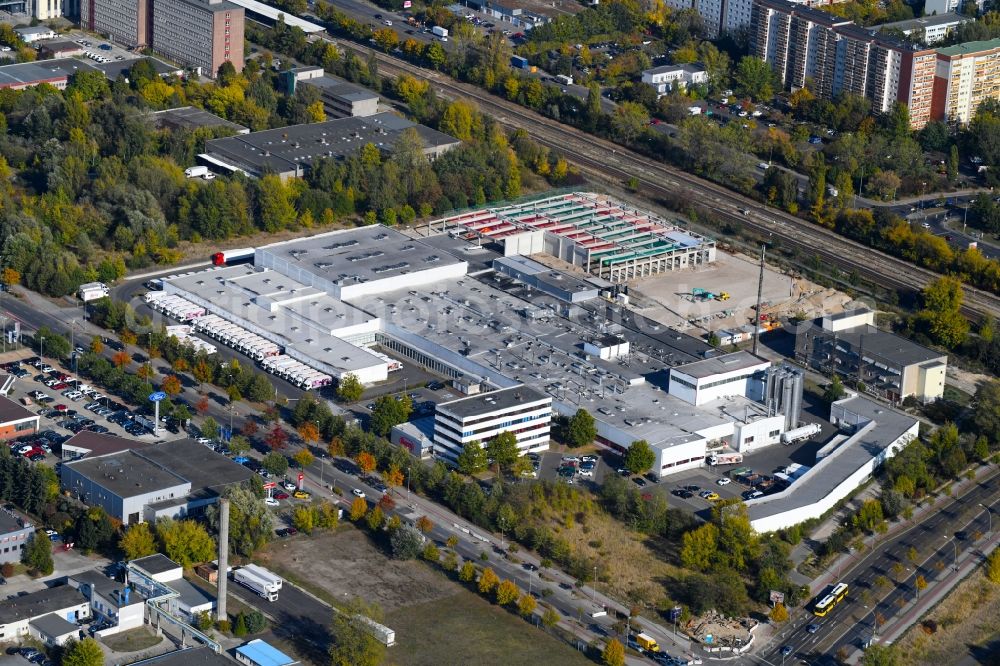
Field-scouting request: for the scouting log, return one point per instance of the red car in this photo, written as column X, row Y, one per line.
column 60, row 386
column 280, row 496
column 33, row 452
column 60, row 407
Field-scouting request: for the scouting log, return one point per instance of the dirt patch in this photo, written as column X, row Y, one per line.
column 345, row 564
column 968, row 618
column 133, row 640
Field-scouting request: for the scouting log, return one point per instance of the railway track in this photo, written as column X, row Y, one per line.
column 608, row 162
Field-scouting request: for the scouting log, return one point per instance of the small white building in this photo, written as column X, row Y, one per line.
column 119, row 604
column 415, row 436
column 607, row 347
column 667, row 77
column 25, row 615
column 523, row 410
column 259, row 653
column 39, row 32
column 91, row 291
column 190, row 600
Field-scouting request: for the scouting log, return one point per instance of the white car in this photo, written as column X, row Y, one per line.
column 359, row 493
column 724, row 481
column 570, row 459
column 270, row 501
column 764, row 165
column 289, row 486
column 586, row 472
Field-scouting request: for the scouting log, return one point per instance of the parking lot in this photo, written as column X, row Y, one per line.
column 100, row 50
column 66, row 405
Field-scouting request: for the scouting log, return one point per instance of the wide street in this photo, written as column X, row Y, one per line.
column 952, row 532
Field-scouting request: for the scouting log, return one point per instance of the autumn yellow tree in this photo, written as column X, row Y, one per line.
column 121, row 359
column 309, row 433
column 9, row 277
column 394, row 477
column 488, row 581
column 171, row 385
column 506, row 593
column 366, row 462
column 304, row 458
column 359, row 507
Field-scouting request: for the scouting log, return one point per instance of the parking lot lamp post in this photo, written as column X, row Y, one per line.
column 41, row 347
column 594, row 587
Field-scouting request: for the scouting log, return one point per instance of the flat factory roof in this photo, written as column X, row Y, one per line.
column 340, row 88
column 28, row 73
column 294, row 148
column 208, row 471
column 36, row 604
column 197, row 656
column 264, row 654
column 156, row 564
column 126, row 474
column 358, row 255
column 741, row 360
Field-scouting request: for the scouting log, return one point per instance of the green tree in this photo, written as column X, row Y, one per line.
column 468, row 572
column 138, row 541
column 186, row 542
column 304, row 519
column 250, row 523
column 472, row 458
column 834, row 391
column 390, row 411
column 754, row 78
column 82, row 653
column 350, row 388
column 640, row 457
column 275, row 463
column 353, row 644
column 942, row 317
column 613, row 653
column 699, row 547
column 238, row 445
column 275, row 204
column 880, row 655
column 629, row 120
column 210, row 428
column 406, row 543
column 37, row 555
column 550, row 617
column 502, row 449
column 581, row 429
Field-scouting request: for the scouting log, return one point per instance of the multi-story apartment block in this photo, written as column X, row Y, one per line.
column 838, row 56
column 965, row 76
column 199, row 33
column 195, row 33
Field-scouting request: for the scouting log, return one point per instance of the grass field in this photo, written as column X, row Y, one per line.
column 465, row 629
column 969, row 618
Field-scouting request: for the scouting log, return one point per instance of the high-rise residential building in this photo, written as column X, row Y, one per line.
column 199, row 33
column 965, row 76
column 804, row 44
column 124, row 21
column 837, row 56
column 195, row 33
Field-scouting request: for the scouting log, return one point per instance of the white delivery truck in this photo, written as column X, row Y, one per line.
column 196, row 172
column 440, row 32
column 725, row 459
column 563, row 79
column 260, row 580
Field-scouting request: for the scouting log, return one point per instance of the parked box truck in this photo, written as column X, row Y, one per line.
column 519, row 61
column 440, row 32
column 260, row 580
column 565, row 80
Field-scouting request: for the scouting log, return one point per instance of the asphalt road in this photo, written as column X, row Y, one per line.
column 853, row 621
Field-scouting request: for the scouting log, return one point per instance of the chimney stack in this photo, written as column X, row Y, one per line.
column 223, row 577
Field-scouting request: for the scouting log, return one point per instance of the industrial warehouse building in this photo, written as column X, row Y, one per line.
column 16, row 420
column 290, row 151
column 870, row 434
column 340, row 98
column 145, row 483
column 341, row 302
column 891, row 367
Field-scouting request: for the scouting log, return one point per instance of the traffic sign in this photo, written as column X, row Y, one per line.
column 157, row 396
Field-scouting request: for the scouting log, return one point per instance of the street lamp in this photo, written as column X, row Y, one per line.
column 954, row 544
column 41, row 347
column 594, row 588
column 989, row 514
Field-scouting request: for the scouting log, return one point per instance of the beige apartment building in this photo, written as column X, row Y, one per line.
column 966, row 75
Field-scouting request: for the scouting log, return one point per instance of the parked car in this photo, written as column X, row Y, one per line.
column 357, row 492
column 280, row 496
column 301, row 494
